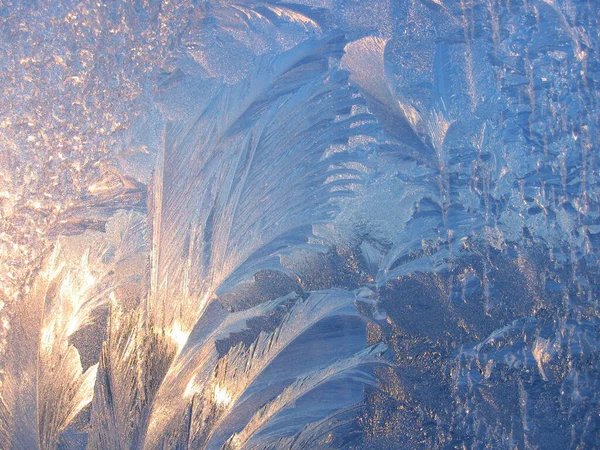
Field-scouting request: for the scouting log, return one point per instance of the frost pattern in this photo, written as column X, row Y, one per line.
column 261, row 224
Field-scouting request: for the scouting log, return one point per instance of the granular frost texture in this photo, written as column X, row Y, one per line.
column 320, row 224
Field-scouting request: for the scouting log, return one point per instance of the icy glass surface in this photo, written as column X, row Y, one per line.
column 313, row 224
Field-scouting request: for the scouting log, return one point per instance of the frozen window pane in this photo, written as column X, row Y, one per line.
column 350, row 224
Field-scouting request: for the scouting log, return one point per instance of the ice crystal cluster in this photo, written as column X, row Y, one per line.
column 304, row 224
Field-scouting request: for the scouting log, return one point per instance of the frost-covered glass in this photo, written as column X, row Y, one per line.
column 316, row 224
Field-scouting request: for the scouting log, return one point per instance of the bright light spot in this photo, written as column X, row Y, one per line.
column 178, row 335
column 236, row 442
column 98, row 187
column 221, row 396
column 191, row 389
column 88, row 281
column 73, row 325
column 47, row 337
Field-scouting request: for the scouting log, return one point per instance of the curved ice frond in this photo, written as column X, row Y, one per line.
column 230, row 13
column 401, row 121
column 196, row 362
column 440, row 215
column 244, row 182
column 418, row 133
column 242, row 365
column 45, row 386
column 132, row 365
column 337, row 430
column 235, row 188
column 221, row 390
column 299, row 388
column 289, row 13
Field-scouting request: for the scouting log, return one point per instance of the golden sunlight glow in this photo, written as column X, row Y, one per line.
column 179, row 335
column 74, row 324
column 191, row 388
column 74, row 290
column 98, row 187
column 221, row 396
column 47, row 337
column 235, row 442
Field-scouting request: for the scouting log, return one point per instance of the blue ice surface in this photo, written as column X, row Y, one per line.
column 324, row 224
